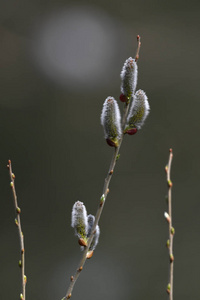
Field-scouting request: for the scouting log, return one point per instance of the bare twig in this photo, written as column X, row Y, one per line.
column 97, row 217
column 103, row 198
column 168, row 217
column 138, row 48
column 21, row 236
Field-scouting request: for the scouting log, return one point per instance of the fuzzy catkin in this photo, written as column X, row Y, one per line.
column 111, row 120
column 91, row 220
column 79, row 219
column 139, row 110
column 129, row 75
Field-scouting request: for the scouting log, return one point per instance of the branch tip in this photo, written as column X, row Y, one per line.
column 138, row 47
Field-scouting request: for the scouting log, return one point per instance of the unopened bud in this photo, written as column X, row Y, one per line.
column 168, row 288
column 172, row 231
column 89, row 254
column 102, row 200
column 18, row 210
column 167, row 217
column 167, row 244
column 25, row 278
column 171, row 257
column 169, row 182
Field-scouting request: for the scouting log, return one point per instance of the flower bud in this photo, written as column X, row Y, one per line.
column 138, row 112
column 79, row 220
column 111, row 121
column 129, row 76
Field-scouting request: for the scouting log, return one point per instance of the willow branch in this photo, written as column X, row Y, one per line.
column 103, row 198
column 168, row 216
column 97, row 217
column 21, row 236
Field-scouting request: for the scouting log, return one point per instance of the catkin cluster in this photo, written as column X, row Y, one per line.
column 83, row 224
column 138, row 106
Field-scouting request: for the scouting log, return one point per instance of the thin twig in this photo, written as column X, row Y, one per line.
column 138, row 48
column 97, row 217
column 21, row 236
column 171, row 228
column 102, row 200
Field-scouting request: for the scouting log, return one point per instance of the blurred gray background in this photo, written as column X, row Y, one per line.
column 59, row 61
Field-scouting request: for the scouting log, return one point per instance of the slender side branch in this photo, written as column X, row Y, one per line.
column 98, row 213
column 168, row 217
column 104, row 196
column 21, row 236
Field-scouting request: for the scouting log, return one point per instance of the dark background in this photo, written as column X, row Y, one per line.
column 59, row 61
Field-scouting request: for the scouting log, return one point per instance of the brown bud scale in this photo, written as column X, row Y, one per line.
column 90, row 254
column 111, row 143
column 82, row 242
column 123, row 98
column 131, row 131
